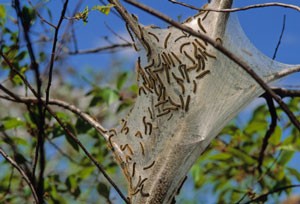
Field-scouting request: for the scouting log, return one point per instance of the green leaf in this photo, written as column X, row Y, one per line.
column 71, row 140
column 10, row 123
column 86, row 172
column 289, row 147
column 121, row 80
column 2, row 12
column 276, row 137
column 103, row 9
column 82, row 126
column 242, row 156
column 285, row 157
column 221, row 156
column 103, row 95
column 294, row 172
column 73, row 185
column 83, row 15
column 103, row 190
column 29, row 16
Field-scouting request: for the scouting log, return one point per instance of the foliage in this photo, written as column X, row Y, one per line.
column 230, row 164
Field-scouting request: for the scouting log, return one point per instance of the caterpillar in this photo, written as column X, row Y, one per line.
column 171, row 59
column 187, row 103
column 149, row 166
column 150, row 112
column 182, row 46
column 200, row 25
column 133, row 169
column 138, row 134
column 195, row 87
column 189, row 57
column 201, row 75
column 166, row 41
column 160, row 103
column 128, row 147
column 164, row 113
column 145, row 125
column 143, row 149
column 142, row 192
column 200, row 44
column 174, row 55
column 142, row 89
column 172, row 102
column 152, row 34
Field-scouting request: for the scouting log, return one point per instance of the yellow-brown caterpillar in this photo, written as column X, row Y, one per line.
column 174, row 55
column 166, row 41
column 202, row 74
column 200, row 25
column 182, row 46
column 195, row 87
column 143, row 149
column 187, row 103
column 163, row 113
column 138, row 134
column 149, row 166
column 133, row 169
column 189, row 57
column 152, row 34
column 123, row 147
column 142, row 192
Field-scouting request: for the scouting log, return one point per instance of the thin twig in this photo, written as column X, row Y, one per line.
column 100, row 49
column 269, row 132
column 53, row 54
column 41, row 121
column 40, row 16
column 280, row 37
column 272, row 111
column 270, row 4
column 264, row 196
column 23, row 174
column 115, row 33
column 282, row 92
column 226, row 52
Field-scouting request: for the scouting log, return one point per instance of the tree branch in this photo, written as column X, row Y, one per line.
column 269, row 132
column 53, row 54
column 41, row 121
column 23, row 174
column 271, row 4
column 226, row 52
column 264, row 196
column 101, row 49
column 280, row 37
column 282, row 92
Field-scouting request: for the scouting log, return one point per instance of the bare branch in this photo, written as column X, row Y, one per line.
column 41, row 17
column 280, row 38
column 264, row 196
column 269, row 132
column 286, row 92
column 41, row 121
column 54, row 49
column 226, row 52
column 271, row 4
column 101, row 49
column 23, row 174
